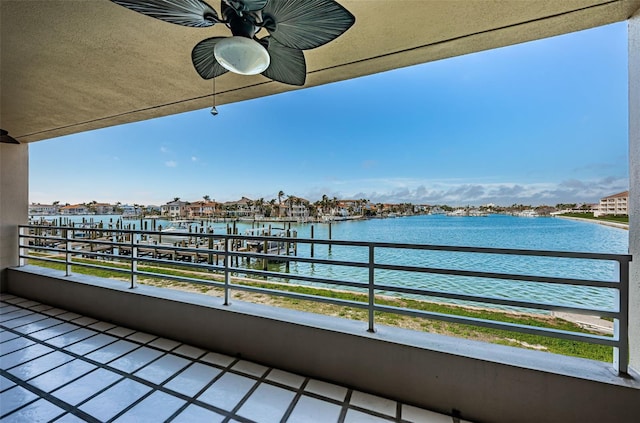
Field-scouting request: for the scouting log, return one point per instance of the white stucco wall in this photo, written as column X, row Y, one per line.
column 634, row 188
column 14, row 202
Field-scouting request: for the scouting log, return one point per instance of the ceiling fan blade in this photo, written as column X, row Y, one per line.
column 6, row 138
column 306, row 24
column 246, row 5
column 193, row 13
column 204, row 61
column 287, row 64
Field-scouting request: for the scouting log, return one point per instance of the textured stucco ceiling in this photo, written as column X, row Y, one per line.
column 68, row 66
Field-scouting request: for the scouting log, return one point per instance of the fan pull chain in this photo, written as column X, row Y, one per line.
column 214, row 111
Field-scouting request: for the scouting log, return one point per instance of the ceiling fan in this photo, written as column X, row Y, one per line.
column 292, row 26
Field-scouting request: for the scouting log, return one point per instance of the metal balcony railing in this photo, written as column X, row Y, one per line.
column 376, row 273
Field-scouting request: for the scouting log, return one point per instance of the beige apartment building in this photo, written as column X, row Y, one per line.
column 615, row 204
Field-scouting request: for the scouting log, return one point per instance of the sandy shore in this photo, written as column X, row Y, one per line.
column 599, row 222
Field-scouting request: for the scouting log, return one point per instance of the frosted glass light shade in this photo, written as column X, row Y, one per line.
column 242, row 55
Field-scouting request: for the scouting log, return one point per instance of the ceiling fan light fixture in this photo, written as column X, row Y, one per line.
column 242, row 55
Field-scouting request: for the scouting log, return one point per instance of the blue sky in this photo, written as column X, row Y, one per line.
column 537, row 123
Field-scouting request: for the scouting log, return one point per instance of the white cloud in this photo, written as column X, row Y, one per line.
column 194, row 159
column 164, row 150
column 170, row 163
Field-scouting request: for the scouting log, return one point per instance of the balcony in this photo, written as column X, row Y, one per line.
column 57, row 363
column 418, row 369
column 482, row 382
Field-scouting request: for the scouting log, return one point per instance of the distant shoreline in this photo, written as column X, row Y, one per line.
column 600, row 222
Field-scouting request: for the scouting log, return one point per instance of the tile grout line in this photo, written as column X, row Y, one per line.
column 295, row 400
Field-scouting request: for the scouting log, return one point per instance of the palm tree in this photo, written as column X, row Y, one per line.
column 289, row 203
column 250, row 204
column 206, row 198
column 259, row 204
column 280, row 195
column 176, row 199
column 324, row 203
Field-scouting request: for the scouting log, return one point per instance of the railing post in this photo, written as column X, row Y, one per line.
column 227, row 259
column 372, row 292
column 134, row 262
column 621, row 325
column 67, row 256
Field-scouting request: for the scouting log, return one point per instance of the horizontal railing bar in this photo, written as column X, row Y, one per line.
column 199, row 266
column 306, row 297
column 55, row 238
column 514, row 327
column 500, row 301
column 49, row 259
column 187, row 264
column 44, row 248
column 89, row 254
column 176, row 248
column 97, row 266
column 106, row 242
column 508, row 251
column 265, row 273
column 502, row 276
column 96, row 254
column 160, row 247
column 297, row 259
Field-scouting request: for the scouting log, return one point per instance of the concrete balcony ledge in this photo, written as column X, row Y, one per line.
column 475, row 380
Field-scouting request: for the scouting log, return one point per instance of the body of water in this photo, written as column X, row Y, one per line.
column 496, row 231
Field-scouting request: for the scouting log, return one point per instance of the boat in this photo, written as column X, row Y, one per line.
column 477, row 213
column 178, row 231
column 273, row 247
column 527, row 213
column 467, row 213
column 458, row 213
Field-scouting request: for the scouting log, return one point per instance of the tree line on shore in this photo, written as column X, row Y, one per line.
column 294, row 207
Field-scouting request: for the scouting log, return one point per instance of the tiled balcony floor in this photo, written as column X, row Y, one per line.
column 63, row 367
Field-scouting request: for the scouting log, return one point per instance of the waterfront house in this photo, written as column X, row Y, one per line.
column 42, row 209
column 174, row 209
column 74, row 209
column 201, row 209
column 295, row 208
column 120, row 68
column 614, row 205
column 244, row 207
column 103, row 208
